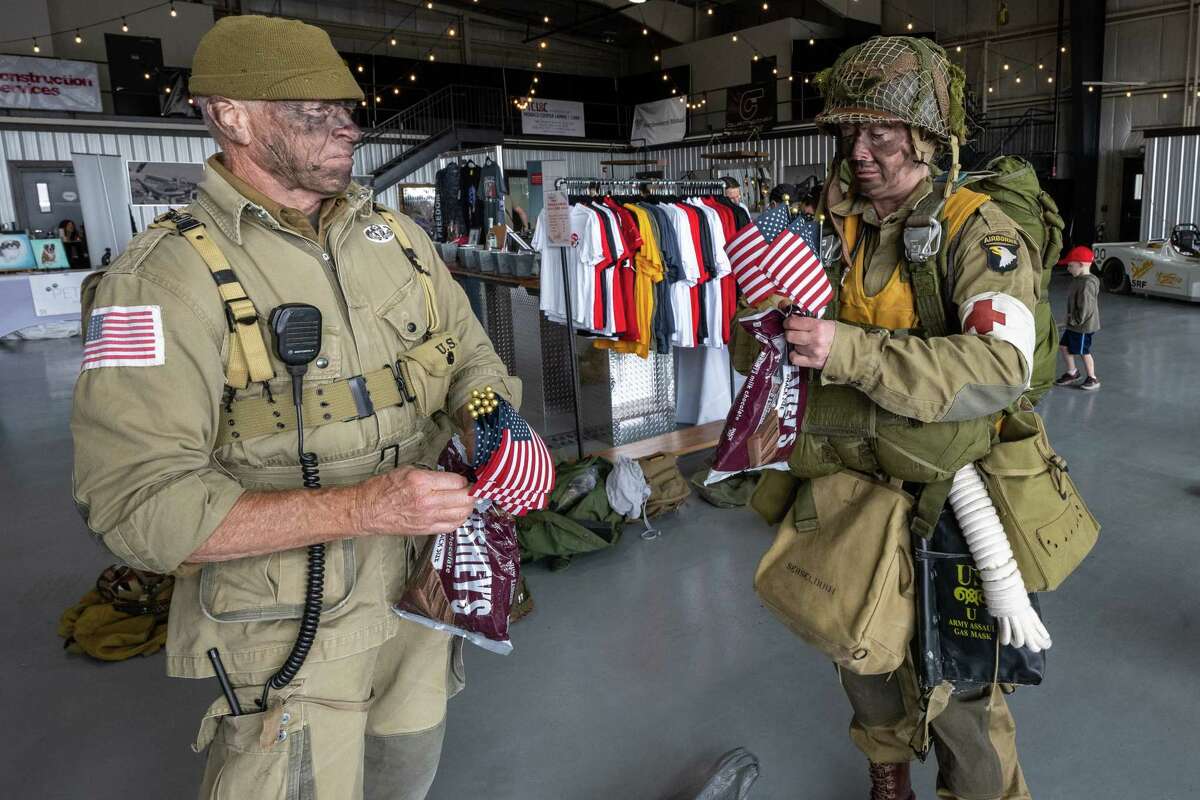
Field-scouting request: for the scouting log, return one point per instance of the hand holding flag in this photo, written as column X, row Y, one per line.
column 513, row 467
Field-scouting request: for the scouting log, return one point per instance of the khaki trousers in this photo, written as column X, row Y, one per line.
column 368, row 726
column 974, row 738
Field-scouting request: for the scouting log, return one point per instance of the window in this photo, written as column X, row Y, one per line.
column 43, row 192
column 1137, row 186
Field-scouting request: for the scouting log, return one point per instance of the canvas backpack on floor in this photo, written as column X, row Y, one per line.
column 668, row 488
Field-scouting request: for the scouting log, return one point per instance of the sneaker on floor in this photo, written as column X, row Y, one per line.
column 1090, row 385
column 1066, row 379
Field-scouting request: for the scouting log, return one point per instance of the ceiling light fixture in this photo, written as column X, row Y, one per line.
column 78, row 38
column 124, row 26
column 36, row 47
column 174, row 13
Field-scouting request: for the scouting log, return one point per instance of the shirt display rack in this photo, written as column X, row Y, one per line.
column 600, row 187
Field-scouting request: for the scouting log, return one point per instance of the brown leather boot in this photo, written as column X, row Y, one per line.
column 890, row 782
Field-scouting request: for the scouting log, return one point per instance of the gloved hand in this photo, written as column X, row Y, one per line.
column 1004, row 592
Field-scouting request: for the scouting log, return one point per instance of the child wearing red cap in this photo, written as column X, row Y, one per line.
column 1083, row 318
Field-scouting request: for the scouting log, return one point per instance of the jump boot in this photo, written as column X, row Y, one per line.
column 891, row 782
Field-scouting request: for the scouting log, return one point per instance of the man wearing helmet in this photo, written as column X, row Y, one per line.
column 957, row 353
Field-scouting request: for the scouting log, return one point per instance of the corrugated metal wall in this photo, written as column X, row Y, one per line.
column 805, row 148
column 17, row 145
column 798, row 149
column 1170, row 184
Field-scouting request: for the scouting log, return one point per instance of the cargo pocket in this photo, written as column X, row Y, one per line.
column 1049, row 527
column 266, row 755
column 839, row 572
column 272, row 587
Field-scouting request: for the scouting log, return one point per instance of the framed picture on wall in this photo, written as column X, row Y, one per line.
column 49, row 253
column 161, row 183
column 15, row 252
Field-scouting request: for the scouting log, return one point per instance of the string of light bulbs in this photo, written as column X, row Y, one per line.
column 79, row 29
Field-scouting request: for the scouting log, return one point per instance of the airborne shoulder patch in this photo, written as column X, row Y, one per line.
column 1001, row 250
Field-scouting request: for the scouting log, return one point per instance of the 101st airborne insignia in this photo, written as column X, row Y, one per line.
column 1001, row 249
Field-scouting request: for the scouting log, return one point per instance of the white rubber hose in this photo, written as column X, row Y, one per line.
column 1003, row 588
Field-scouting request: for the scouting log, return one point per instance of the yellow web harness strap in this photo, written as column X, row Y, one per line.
column 248, row 360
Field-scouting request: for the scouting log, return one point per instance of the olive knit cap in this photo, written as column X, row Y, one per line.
column 251, row 57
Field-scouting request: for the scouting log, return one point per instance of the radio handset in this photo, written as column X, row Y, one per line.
column 296, row 329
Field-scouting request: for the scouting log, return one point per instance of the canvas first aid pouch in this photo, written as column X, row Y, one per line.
column 840, row 572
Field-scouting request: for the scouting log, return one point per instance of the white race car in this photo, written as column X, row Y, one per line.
column 1166, row 267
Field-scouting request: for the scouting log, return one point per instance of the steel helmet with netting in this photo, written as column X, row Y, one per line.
column 895, row 78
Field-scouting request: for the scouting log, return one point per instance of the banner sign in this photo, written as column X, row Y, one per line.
column 54, row 295
column 558, row 209
column 553, row 118
column 49, row 84
column 748, row 105
column 659, row 122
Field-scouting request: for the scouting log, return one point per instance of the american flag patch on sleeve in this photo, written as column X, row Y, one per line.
column 124, row 336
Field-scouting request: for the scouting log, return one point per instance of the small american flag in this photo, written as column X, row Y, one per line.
column 749, row 246
column 124, row 336
column 519, row 474
column 796, row 270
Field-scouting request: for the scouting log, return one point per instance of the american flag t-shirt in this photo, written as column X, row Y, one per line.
column 124, row 336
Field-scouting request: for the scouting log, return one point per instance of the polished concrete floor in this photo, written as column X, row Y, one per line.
column 644, row 663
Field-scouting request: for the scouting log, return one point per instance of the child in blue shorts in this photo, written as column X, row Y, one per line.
column 1083, row 319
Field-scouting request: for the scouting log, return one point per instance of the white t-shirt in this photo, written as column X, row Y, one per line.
column 582, row 256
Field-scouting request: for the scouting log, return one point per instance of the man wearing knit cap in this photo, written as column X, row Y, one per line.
column 186, row 456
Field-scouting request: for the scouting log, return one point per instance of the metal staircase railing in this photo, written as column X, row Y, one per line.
column 453, row 116
column 1029, row 135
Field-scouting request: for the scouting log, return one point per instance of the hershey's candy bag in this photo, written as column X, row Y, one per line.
column 760, row 430
column 464, row 581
